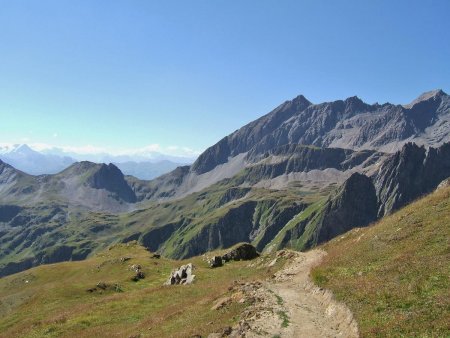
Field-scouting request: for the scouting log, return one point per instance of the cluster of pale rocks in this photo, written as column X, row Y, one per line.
column 182, row 275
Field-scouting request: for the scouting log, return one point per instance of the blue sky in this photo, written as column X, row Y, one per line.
column 183, row 74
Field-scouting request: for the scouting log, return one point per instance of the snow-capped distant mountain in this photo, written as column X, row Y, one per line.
column 103, row 157
column 6, row 148
column 22, row 157
column 51, row 161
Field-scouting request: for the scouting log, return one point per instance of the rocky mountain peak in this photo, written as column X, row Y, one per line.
column 23, row 148
column 353, row 100
column 355, row 104
column 300, row 100
column 80, row 168
column 350, row 124
column 430, row 96
column 110, row 178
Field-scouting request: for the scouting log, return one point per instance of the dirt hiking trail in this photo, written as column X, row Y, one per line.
column 292, row 306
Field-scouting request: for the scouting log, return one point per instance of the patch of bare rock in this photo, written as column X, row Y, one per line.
column 183, row 275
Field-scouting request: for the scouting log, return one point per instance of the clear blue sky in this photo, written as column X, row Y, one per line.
column 186, row 73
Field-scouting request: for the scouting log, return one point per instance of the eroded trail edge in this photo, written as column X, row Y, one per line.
column 293, row 306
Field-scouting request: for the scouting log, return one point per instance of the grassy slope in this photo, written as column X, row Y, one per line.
column 297, row 243
column 90, row 232
column 395, row 275
column 52, row 300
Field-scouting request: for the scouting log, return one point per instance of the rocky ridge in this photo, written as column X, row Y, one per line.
column 347, row 124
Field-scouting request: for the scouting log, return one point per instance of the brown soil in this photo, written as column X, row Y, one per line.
column 292, row 306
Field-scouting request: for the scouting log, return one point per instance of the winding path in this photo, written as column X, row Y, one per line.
column 307, row 310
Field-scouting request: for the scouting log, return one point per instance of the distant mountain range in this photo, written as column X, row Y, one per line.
column 22, row 157
column 52, row 161
column 298, row 176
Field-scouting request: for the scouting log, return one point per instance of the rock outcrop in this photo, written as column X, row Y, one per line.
column 353, row 205
column 244, row 251
column 138, row 273
column 183, row 275
column 215, row 262
column 410, row 173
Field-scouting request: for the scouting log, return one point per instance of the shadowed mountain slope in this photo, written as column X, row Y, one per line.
column 410, row 173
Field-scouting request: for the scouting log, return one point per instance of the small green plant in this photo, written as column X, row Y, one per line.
column 284, row 318
column 318, row 277
column 118, row 288
column 280, row 300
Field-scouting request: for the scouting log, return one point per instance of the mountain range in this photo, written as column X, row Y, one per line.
column 296, row 177
column 52, row 161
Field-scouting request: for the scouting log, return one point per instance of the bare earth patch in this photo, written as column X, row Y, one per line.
column 290, row 305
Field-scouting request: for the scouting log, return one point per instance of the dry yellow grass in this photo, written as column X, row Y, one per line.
column 394, row 275
column 53, row 301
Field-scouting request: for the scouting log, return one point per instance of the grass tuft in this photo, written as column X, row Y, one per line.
column 284, row 318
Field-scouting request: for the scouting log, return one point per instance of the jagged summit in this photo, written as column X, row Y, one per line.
column 354, row 98
column 349, row 123
column 300, row 99
column 432, row 95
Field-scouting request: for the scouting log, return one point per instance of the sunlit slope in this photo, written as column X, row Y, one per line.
column 395, row 275
column 54, row 300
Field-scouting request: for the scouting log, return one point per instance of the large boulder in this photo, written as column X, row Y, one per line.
column 182, row 275
column 244, row 251
column 215, row 262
